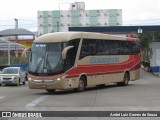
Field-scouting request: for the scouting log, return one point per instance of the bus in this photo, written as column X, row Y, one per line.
column 77, row 60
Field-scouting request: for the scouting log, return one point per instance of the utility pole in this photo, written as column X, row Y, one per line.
column 16, row 27
column 57, row 26
column 16, row 23
column 9, row 54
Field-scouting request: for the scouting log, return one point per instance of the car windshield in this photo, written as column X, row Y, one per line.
column 10, row 71
column 45, row 58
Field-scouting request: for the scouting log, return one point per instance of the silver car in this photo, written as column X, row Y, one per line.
column 12, row 75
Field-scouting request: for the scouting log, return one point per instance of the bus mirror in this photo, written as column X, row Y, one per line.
column 24, row 53
column 64, row 52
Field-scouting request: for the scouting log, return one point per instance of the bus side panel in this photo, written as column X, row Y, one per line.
column 118, row 77
column 134, row 75
column 103, row 72
column 135, row 70
column 99, row 79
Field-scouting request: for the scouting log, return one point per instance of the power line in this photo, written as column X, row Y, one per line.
column 27, row 20
column 6, row 25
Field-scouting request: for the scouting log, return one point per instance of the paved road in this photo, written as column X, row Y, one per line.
column 140, row 95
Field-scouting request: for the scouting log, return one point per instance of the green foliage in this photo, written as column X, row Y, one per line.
column 145, row 64
column 13, row 60
column 145, row 39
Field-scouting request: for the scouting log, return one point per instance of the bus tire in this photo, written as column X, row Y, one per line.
column 125, row 80
column 50, row 90
column 82, row 84
column 101, row 85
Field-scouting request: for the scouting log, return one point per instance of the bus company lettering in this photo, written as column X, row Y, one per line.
column 95, row 60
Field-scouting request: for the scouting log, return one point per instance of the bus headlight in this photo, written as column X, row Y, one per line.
column 30, row 79
column 60, row 78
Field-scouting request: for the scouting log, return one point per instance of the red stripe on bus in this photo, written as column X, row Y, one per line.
column 87, row 70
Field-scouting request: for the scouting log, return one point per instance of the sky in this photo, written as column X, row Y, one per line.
column 136, row 12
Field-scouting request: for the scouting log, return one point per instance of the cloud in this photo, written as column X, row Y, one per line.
column 133, row 11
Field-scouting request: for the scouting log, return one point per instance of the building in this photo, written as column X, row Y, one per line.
column 11, row 46
column 77, row 16
column 128, row 31
column 155, row 57
column 19, row 35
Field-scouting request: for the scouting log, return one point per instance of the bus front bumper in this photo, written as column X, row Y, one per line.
column 52, row 84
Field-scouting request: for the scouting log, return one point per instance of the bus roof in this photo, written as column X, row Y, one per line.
column 67, row 36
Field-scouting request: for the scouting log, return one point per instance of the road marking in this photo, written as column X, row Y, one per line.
column 1, row 97
column 36, row 101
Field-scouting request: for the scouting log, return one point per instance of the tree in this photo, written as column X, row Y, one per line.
column 145, row 40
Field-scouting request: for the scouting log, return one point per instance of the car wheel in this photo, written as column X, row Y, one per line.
column 18, row 82
column 2, row 84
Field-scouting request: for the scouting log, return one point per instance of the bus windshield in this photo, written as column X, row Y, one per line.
column 45, row 58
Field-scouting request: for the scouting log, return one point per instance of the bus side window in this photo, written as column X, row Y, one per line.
column 88, row 48
column 135, row 48
column 126, row 48
column 72, row 53
column 106, row 46
column 100, row 49
column 85, row 49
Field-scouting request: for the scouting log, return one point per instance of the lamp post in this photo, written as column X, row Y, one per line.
column 9, row 54
column 57, row 26
column 16, row 23
column 139, row 30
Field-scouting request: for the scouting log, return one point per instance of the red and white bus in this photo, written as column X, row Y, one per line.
column 76, row 60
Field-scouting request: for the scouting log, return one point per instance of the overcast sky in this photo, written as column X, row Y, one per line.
column 134, row 12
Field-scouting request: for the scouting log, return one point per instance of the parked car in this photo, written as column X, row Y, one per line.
column 13, row 75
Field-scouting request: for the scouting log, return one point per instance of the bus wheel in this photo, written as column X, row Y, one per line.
column 50, row 90
column 82, row 84
column 101, row 85
column 125, row 80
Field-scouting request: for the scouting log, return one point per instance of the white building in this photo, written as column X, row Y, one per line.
column 77, row 16
column 155, row 57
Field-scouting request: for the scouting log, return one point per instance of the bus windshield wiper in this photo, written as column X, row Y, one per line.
column 47, row 64
column 39, row 64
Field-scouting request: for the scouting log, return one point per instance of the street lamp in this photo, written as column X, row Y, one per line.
column 139, row 30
